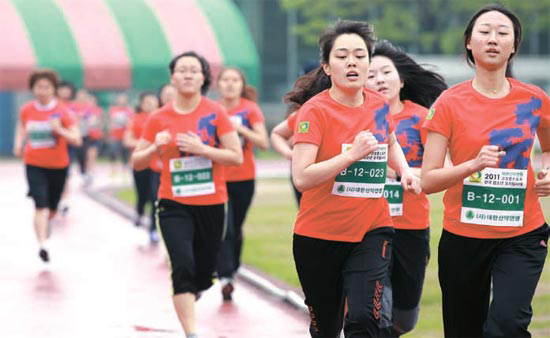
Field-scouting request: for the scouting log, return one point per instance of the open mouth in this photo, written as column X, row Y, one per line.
column 382, row 89
column 352, row 75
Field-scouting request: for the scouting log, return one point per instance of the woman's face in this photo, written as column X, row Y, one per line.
column 492, row 40
column 187, row 76
column 168, row 94
column 230, row 84
column 383, row 77
column 64, row 93
column 348, row 62
column 43, row 90
column 149, row 103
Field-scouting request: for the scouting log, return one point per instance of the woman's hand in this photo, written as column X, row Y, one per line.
column 410, row 182
column 190, row 143
column 363, row 144
column 488, row 157
column 542, row 183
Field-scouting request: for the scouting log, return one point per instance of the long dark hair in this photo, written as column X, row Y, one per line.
column 248, row 92
column 317, row 80
column 420, row 85
column 205, row 68
column 499, row 8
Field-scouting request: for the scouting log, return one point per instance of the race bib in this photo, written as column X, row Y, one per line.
column 120, row 119
column 364, row 178
column 40, row 134
column 494, row 197
column 393, row 192
column 191, row 176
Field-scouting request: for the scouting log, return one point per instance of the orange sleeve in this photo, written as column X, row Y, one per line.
column 309, row 126
column 224, row 125
column 151, row 129
column 439, row 119
column 256, row 115
column 67, row 119
column 545, row 111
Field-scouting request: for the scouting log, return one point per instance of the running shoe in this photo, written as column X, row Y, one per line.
column 43, row 253
column 227, row 292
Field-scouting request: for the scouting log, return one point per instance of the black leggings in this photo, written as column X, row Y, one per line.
column 192, row 235
column 81, row 155
column 240, row 196
column 467, row 266
column 332, row 272
column 142, row 182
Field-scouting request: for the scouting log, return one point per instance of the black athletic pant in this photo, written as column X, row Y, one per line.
column 410, row 256
column 155, row 184
column 192, row 235
column 331, row 272
column 46, row 186
column 142, row 182
column 81, row 154
column 240, row 196
column 467, row 266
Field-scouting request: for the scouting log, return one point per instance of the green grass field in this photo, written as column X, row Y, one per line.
column 268, row 247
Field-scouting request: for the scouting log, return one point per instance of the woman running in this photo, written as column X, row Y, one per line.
column 119, row 116
column 148, row 102
column 344, row 139
column 44, row 128
column 247, row 118
column 196, row 140
column 96, row 135
column 494, row 234
column 410, row 90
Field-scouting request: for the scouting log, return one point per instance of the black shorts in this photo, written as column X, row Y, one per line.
column 332, row 272
column 45, row 186
column 192, row 235
column 411, row 252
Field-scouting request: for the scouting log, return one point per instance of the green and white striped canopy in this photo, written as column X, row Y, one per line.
column 119, row 44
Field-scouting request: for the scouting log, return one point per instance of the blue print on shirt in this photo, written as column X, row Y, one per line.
column 408, row 135
column 381, row 119
column 207, row 130
column 514, row 141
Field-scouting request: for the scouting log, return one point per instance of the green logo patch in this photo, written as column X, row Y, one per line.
column 303, row 127
column 431, row 114
column 341, row 188
column 470, row 214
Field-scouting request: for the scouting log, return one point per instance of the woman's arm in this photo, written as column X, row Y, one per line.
column 307, row 174
column 257, row 135
column 19, row 139
column 542, row 181
column 229, row 154
column 279, row 139
column 71, row 134
column 435, row 177
column 144, row 151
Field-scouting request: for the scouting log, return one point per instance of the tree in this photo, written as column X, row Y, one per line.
column 422, row 26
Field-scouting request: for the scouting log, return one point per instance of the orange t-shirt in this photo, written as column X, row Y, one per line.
column 328, row 124
column 137, row 123
column 119, row 117
column 469, row 121
column 43, row 147
column 96, row 124
column 411, row 138
column 248, row 113
column 291, row 121
column 210, row 121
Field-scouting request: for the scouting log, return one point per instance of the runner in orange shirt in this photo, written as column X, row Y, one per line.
column 239, row 100
column 344, row 139
column 410, row 90
column 44, row 128
column 494, row 229
column 196, row 140
column 96, row 135
column 119, row 116
column 148, row 102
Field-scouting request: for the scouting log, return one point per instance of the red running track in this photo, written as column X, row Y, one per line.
column 104, row 280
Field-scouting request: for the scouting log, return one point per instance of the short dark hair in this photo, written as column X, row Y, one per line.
column 420, row 85
column 205, row 68
column 67, row 84
column 494, row 7
column 142, row 97
column 47, row 74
